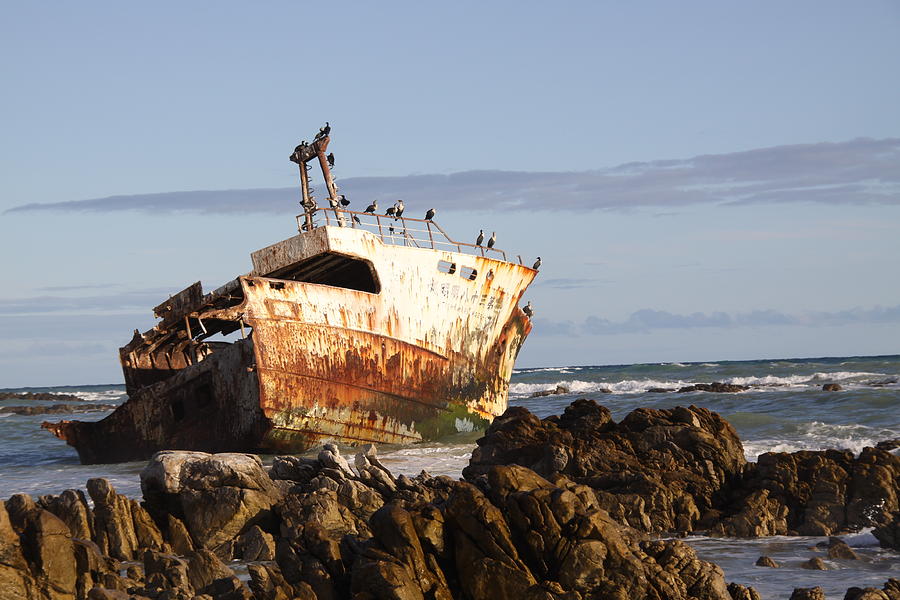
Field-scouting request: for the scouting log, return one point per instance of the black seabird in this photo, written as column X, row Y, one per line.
column 323, row 132
column 355, row 218
column 493, row 240
column 399, row 212
column 480, row 237
column 429, row 215
column 537, row 264
column 344, row 201
column 390, row 212
column 372, row 207
column 330, row 159
column 529, row 312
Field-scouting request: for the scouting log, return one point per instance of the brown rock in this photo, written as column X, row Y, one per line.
column 47, row 546
column 739, row 592
column 15, row 580
column 267, row 583
column 832, row 387
column 888, row 535
column 177, row 536
column 71, row 506
column 767, row 561
column 838, row 548
column 815, row 593
column 113, row 524
column 814, row 564
column 255, row 544
column 219, row 495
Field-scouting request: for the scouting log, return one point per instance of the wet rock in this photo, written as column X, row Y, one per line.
column 888, row 535
column 739, row 592
column 814, row 564
column 43, row 396
column 715, row 387
column 815, row 593
column 767, row 561
column 838, row 548
column 888, row 445
column 218, row 495
column 560, row 389
column 832, row 387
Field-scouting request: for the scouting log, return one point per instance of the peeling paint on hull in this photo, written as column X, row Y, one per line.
column 350, row 338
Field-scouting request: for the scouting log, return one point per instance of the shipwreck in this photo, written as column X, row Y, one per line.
column 362, row 328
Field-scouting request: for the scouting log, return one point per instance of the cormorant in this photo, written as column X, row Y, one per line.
column 480, row 237
column 390, row 211
column 344, row 201
column 429, row 215
column 330, row 159
column 399, row 212
column 372, row 207
column 493, row 240
column 529, row 312
column 324, row 131
column 355, row 218
column 537, row 264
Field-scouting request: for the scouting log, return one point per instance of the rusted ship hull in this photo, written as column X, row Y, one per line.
column 346, row 336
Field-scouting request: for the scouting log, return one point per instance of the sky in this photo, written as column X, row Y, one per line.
column 703, row 180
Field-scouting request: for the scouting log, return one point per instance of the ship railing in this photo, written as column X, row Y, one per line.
column 401, row 231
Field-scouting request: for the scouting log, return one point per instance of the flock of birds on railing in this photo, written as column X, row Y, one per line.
column 395, row 211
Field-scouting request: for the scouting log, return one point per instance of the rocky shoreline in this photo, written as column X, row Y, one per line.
column 571, row 506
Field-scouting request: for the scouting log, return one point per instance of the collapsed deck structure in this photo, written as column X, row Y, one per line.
column 361, row 328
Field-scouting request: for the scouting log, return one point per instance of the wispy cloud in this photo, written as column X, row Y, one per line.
column 131, row 301
column 647, row 320
column 861, row 171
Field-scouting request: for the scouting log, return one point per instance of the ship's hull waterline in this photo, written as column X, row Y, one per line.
column 423, row 347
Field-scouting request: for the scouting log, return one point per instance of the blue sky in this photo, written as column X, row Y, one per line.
column 704, row 181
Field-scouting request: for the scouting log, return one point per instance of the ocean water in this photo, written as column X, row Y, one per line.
column 785, row 410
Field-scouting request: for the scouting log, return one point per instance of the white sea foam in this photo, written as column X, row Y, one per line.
column 817, row 435
column 709, row 364
column 104, row 396
column 802, row 380
column 628, row 386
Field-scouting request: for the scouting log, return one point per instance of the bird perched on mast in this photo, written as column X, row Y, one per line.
column 344, row 201
column 537, row 264
column 324, row 131
column 330, row 159
column 480, row 237
column 493, row 240
column 372, row 207
column 429, row 215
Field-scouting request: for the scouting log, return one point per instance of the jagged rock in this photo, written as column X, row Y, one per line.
column 218, row 495
column 56, row 409
column 739, row 592
column 294, row 468
column 177, row 536
column 47, row 546
column 122, row 528
column 16, row 582
column 832, row 387
column 888, row 535
column 683, row 470
column 767, row 561
column 693, row 453
column 814, row 564
column 255, row 544
column 888, row 445
column 267, row 583
column 71, row 506
column 815, row 593
column 838, row 548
